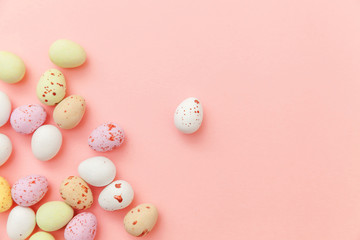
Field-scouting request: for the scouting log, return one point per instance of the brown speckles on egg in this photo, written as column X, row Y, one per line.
column 76, row 193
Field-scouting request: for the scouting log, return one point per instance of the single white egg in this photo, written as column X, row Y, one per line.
column 5, row 148
column 46, row 142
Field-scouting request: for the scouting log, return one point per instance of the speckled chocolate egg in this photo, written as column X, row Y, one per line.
column 106, row 137
column 188, row 115
column 140, row 220
column 29, row 190
column 5, row 195
column 117, row 195
column 76, row 193
column 51, row 87
column 81, row 227
column 69, row 112
column 27, row 118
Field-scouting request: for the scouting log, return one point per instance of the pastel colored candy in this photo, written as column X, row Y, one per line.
column 106, row 137
column 69, row 112
column 29, row 190
column 82, row 227
column 5, row 108
column 117, row 195
column 12, row 67
column 20, row 223
column 140, row 220
column 42, row 236
column 27, row 118
column 5, row 195
column 76, row 193
column 188, row 115
column 67, row 54
column 46, row 142
column 97, row 171
column 54, row 215
column 5, row 148
column 51, row 88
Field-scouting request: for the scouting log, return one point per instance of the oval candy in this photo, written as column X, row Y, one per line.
column 54, row 215
column 27, row 118
column 97, row 171
column 5, row 148
column 12, row 67
column 76, row 193
column 140, row 220
column 20, row 223
column 188, row 115
column 42, row 236
column 81, row 227
column 67, row 54
column 46, row 142
column 69, row 112
column 106, row 137
column 5, row 195
column 51, row 88
column 29, row 190
column 5, row 108
column 117, row 195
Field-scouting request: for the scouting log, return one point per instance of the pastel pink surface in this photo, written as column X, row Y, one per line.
column 277, row 156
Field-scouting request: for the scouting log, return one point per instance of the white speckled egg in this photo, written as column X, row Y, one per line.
column 81, row 227
column 140, row 220
column 29, row 190
column 69, row 112
column 5, row 108
column 51, row 87
column 12, row 67
column 46, row 142
column 5, row 148
column 97, row 171
column 27, row 118
column 117, row 195
column 20, row 223
column 67, row 54
column 188, row 115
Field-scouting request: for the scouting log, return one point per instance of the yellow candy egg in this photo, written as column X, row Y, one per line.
column 5, row 195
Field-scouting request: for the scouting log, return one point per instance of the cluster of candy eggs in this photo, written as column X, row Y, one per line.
column 46, row 143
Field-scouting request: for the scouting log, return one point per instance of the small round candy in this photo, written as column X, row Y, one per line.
column 67, row 54
column 42, row 236
column 12, row 68
column 27, row 118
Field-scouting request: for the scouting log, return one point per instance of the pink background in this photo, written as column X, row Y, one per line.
column 278, row 155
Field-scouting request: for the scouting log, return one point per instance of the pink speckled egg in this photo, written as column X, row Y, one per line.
column 27, row 118
column 81, row 227
column 29, row 190
column 106, row 137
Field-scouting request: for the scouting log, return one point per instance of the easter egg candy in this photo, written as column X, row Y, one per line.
column 12, row 68
column 54, row 215
column 81, row 227
column 188, row 115
column 117, row 195
column 29, row 190
column 5, row 195
column 20, row 223
column 5, row 148
column 69, row 112
column 51, row 87
column 5, row 108
column 76, row 193
column 140, row 220
column 27, row 118
column 67, row 54
column 97, row 171
column 46, row 142
column 106, row 137
column 42, row 236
